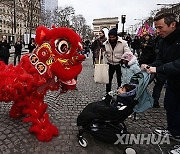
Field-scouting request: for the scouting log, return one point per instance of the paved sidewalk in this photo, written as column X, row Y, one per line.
column 63, row 110
column 12, row 50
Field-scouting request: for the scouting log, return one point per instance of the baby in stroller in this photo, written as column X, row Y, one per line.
column 111, row 108
column 105, row 119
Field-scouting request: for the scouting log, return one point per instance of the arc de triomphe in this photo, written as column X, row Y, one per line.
column 101, row 23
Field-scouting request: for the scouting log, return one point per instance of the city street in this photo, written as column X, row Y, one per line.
column 63, row 111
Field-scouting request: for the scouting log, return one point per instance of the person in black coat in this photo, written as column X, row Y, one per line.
column 4, row 50
column 136, row 45
column 98, row 46
column 18, row 50
column 148, row 54
column 31, row 45
column 168, row 64
column 160, row 79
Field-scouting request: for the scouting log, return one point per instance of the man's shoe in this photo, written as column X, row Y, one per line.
column 162, row 132
column 176, row 150
column 106, row 97
column 103, row 98
column 165, row 132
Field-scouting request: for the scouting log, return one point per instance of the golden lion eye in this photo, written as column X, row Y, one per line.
column 62, row 46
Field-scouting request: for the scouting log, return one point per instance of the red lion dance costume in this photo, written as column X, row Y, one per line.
column 54, row 64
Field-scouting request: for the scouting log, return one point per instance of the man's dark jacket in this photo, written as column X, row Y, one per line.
column 168, row 59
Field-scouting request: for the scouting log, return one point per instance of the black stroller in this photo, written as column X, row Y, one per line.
column 105, row 119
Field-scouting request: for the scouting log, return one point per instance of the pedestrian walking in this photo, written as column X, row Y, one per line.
column 128, row 39
column 136, row 46
column 87, row 46
column 31, row 45
column 4, row 50
column 18, row 49
column 114, row 49
column 168, row 63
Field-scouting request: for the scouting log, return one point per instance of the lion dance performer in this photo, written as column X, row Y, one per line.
column 53, row 65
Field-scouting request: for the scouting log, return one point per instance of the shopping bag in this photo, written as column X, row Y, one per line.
column 101, row 71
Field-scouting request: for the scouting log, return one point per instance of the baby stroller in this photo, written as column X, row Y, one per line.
column 105, row 119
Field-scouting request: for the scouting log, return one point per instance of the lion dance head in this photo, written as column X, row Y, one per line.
column 54, row 64
column 57, row 54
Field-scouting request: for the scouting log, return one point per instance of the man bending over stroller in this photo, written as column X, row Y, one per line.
column 110, row 109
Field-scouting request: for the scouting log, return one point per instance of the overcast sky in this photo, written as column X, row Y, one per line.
column 133, row 9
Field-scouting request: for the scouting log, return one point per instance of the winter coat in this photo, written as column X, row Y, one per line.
column 18, row 48
column 124, row 99
column 136, row 44
column 31, row 47
column 148, row 54
column 4, row 49
column 114, row 56
column 97, row 45
column 168, row 59
column 130, row 70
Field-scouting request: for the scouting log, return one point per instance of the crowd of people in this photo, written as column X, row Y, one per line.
column 126, row 56
column 158, row 54
column 18, row 46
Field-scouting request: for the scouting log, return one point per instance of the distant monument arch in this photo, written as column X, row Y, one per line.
column 102, row 23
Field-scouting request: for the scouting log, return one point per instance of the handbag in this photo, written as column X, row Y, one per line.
column 101, row 71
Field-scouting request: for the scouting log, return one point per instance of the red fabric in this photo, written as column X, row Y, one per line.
column 45, row 69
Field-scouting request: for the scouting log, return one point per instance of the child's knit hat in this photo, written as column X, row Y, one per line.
column 127, row 56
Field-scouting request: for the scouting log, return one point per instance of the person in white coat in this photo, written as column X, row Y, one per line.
column 114, row 49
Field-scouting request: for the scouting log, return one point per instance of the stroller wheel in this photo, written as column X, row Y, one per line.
column 129, row 151
column 83, row 142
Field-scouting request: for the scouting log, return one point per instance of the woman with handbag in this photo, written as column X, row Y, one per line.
column 98, row 45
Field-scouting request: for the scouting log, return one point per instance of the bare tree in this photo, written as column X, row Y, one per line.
column 65, row 17
column 62, row 16
column 78, row 22
column 79, row 25
column 47, row 18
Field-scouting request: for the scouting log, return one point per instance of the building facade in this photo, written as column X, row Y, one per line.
column 19, row 18
column 101, row 23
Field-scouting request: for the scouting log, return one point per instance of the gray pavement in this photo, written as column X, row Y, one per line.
column 12, row 50
column 63, row 110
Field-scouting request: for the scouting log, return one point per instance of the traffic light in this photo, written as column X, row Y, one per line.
column 123, row 19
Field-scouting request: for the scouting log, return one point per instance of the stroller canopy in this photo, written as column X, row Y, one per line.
column 143, row 96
